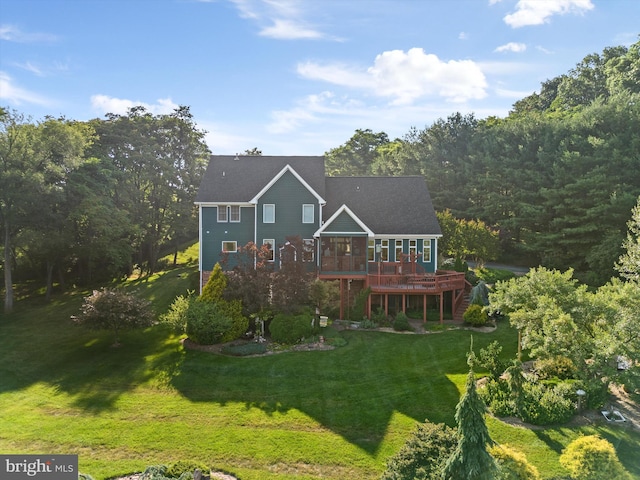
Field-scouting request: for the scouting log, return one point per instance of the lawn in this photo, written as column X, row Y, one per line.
column 327, row 414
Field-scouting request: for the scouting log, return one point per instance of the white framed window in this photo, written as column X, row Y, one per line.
column 229, row 246
column 371, row 250
column 307, row 213
column 270, row 242
column 413, row 249
column 308, row 249
column 398, row 250
column 222, row 214
column 426, row 251
column 269, row 213
column 234, row 213
column 384, row 249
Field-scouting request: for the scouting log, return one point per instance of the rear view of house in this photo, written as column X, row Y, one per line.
column 367, row 232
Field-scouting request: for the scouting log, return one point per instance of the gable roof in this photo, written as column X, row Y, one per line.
column 386, row 205
column 228, row 180
column 344, row 210
column 286, row 169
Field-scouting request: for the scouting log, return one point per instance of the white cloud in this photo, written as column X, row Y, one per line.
column 120, row 106
column 537, row 12
column 11, row 33
column 463, row 36
column 511, row 47
column 286, row 29
column 279, row 19
column 407, row 77
column 15, row 95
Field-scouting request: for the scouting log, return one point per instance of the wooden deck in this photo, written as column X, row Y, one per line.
column 434, row 283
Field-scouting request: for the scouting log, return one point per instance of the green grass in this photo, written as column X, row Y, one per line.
column 329, row 414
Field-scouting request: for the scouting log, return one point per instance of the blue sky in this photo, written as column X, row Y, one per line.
column 296, row 77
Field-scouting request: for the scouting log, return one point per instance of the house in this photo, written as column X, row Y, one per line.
column 367, row 232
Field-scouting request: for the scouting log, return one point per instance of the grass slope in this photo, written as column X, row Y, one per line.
column 333, row 414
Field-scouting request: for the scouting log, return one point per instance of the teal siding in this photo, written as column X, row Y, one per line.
column 214, row 233
column 343, row 223
column 288, row 195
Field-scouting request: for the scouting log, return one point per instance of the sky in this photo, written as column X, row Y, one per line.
column 296, row 77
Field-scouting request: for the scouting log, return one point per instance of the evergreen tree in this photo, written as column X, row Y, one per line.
column 629, row 263
column 471, row 460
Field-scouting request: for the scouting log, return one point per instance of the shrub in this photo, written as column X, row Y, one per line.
column 513, row 464
column 181, row 467
column 543, row 406
column 558, row 366
column 368, row 324
column 592, row 458
column 475, row 315
column 489, row 358
column 401, row 323
column 115, row 310
column 214, row 288
column 207, row 324
column 380, row 318
column 424, row 454
column 497, row 395
column 176, row 316
column 289, row 329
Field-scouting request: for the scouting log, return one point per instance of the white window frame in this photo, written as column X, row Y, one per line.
column 399, row 247
column 371, row 250
column 413, row 248
column 426, row 251
column 272, row 217
column 271, row 242
column 226, row 243
column 233, row 210
column 308, row 209
column 384, row 249
column 223, row 215
column 308, row 250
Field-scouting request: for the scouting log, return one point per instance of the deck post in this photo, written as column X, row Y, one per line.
column 424, row 308
column 441, row 309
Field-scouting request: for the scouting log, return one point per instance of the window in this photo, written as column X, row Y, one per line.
column 426, row 250
column 398, row 250
column 222, row 214
column 307, row 213
column 270, row 242
column 413, row 249
column 384, row 250
column 308, row 249
column 234, row 213
column 269, row 213
column 230, row 247
column 371, row 250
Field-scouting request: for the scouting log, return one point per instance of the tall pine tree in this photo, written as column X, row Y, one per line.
column 471, row 460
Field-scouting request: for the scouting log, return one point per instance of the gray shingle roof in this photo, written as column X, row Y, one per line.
column 230, row 180
column 387, row 205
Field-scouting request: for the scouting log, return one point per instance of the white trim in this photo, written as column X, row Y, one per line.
column 347, row 210
column 200, row 246
column 313, row 212
column 287, row 168
column 264, row 205
column 229, row 251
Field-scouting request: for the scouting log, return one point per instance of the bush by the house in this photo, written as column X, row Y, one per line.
column 513, row 464
column 115, row 310
column 401, row 323
column 423, row 455
column 593, row 458
column 176, row 316
column 207, row 323
column 475, row 315
column 290, row 329
column 380, row 318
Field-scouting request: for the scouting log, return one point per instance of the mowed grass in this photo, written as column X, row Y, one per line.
column 305, row 415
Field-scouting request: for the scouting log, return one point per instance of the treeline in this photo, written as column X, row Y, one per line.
column 557, row 178
column 85, row 202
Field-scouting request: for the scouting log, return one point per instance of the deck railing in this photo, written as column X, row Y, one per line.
column 427, row 282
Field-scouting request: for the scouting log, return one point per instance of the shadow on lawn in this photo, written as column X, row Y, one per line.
column 77, row 361
column 353, row 390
